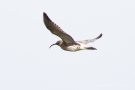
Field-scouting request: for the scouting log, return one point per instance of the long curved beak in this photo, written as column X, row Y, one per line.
column 52, row 45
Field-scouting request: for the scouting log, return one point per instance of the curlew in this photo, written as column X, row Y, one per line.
column 67, row 43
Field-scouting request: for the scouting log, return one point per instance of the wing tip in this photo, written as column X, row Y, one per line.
column 99, row 36
column 45, row 16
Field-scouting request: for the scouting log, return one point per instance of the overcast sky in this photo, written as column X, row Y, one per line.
column 27, row 63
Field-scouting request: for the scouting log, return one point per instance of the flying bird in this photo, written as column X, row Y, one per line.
column 67, row 43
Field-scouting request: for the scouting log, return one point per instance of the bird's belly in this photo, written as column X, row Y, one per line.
column 73, row 48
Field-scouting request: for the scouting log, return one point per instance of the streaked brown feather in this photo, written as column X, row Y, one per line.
column 55, row 29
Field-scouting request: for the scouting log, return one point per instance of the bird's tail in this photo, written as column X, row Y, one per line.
column 90, row 48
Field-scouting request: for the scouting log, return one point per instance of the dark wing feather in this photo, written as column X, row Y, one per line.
column 90, row 40
column 55, row 29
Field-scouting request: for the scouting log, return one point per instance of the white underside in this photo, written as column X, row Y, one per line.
column 77, row 47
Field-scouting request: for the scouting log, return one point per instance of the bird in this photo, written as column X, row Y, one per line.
column 67, row 43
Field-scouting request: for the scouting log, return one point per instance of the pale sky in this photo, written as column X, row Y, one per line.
column 27, row 63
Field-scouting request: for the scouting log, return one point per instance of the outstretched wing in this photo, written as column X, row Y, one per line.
column 55, row 29
column 90, row 40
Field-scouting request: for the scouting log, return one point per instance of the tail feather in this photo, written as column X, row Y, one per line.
column 91, row 48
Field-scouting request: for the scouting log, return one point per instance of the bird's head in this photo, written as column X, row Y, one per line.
column 57, row 43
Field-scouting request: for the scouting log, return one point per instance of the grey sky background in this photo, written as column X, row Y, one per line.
column 27, row 63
